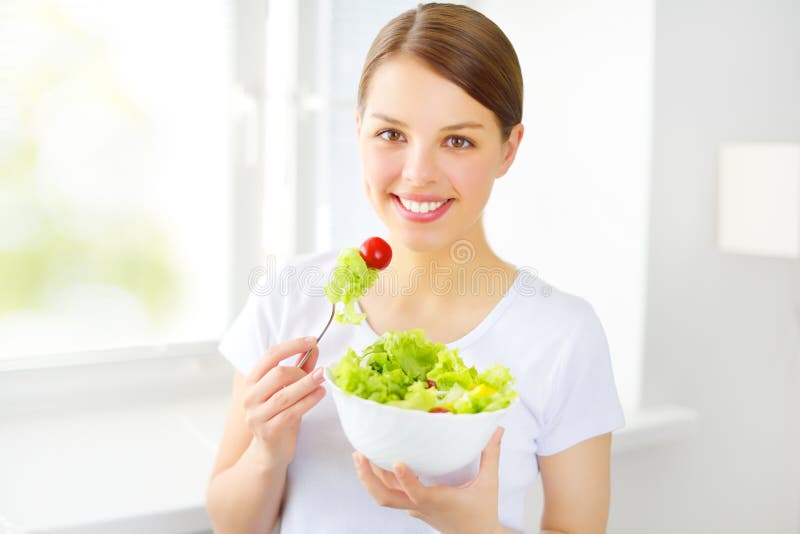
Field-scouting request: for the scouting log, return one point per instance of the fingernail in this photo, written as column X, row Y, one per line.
column 318, row 375
column 398, row 470
column 309, row 339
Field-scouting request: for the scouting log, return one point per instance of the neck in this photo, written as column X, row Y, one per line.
column 443, row 274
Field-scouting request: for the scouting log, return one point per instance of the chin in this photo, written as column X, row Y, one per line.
column 422, row 241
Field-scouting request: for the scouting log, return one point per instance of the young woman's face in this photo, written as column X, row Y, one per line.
column 429, row 154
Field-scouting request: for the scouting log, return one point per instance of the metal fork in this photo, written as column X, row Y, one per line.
column 307, row 354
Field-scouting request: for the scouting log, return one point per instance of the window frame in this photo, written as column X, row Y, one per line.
column 248, row 25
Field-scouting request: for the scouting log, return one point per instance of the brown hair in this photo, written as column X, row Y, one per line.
column 459, row 44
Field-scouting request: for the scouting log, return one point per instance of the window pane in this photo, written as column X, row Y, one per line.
column 115, row 173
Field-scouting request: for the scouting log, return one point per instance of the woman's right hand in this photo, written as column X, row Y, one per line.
column 277, row 396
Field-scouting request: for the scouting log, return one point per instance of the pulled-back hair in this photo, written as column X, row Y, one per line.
column 460, row 44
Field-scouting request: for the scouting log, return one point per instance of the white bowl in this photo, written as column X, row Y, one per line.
column 430, row 444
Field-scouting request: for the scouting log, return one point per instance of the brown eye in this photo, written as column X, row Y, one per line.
column 391, row 135
column 458, row 142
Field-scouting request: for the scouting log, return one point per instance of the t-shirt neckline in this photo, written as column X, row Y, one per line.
column 474, row 334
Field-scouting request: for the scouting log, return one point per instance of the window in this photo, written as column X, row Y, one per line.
column 315, row 52
column 117, row 174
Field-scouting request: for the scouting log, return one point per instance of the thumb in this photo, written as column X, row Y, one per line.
column 490, row 457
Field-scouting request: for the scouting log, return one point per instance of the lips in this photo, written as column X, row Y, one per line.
column 426, row 210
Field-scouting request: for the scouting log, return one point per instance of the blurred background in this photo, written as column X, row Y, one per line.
column 153, row 156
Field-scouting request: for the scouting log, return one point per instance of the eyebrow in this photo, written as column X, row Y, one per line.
column 458, row 126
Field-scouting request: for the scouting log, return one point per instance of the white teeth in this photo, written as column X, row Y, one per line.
column 420, row 207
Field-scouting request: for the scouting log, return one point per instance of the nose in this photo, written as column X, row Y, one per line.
column 419, row 168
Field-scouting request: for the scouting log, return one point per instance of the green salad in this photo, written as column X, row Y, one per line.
column 350, row 280
column 407, row 370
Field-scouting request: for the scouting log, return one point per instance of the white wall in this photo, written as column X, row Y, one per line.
column 721, row 334
column 574, row 205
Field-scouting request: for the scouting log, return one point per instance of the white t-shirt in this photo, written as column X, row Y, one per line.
column 552, row 342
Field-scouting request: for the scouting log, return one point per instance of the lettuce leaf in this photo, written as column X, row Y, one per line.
column 350, row 280
column 412, row 352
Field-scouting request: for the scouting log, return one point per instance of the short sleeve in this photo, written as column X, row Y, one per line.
column 583, row 401
column 249, row 336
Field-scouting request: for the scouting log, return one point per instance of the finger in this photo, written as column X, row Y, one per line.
column 289, row 394
column 276, row 379
column 387, row 477
column 490, row 457
column 381, row 494
column 311, row 362
column 296, row 411
column 416, row 490
column 279, row 352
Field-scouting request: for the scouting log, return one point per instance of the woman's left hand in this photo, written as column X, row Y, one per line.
column 470, row 507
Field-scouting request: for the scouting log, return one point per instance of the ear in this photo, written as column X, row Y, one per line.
column 510, row 147
column 358, row 121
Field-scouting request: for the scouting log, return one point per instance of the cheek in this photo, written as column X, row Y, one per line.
column 380, row 167
column 472, row 178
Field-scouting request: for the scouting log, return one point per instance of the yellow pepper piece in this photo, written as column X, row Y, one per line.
column 482, row 391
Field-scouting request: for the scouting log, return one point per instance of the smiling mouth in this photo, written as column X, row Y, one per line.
column 421, row 212
column 421, row 207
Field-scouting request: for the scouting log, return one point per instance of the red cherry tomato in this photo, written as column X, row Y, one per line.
column 431, row 384
column 376, row 253
column 438, row 410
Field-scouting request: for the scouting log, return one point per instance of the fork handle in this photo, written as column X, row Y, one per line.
column 308, row 353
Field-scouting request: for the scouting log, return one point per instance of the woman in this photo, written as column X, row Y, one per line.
column 438, row 121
